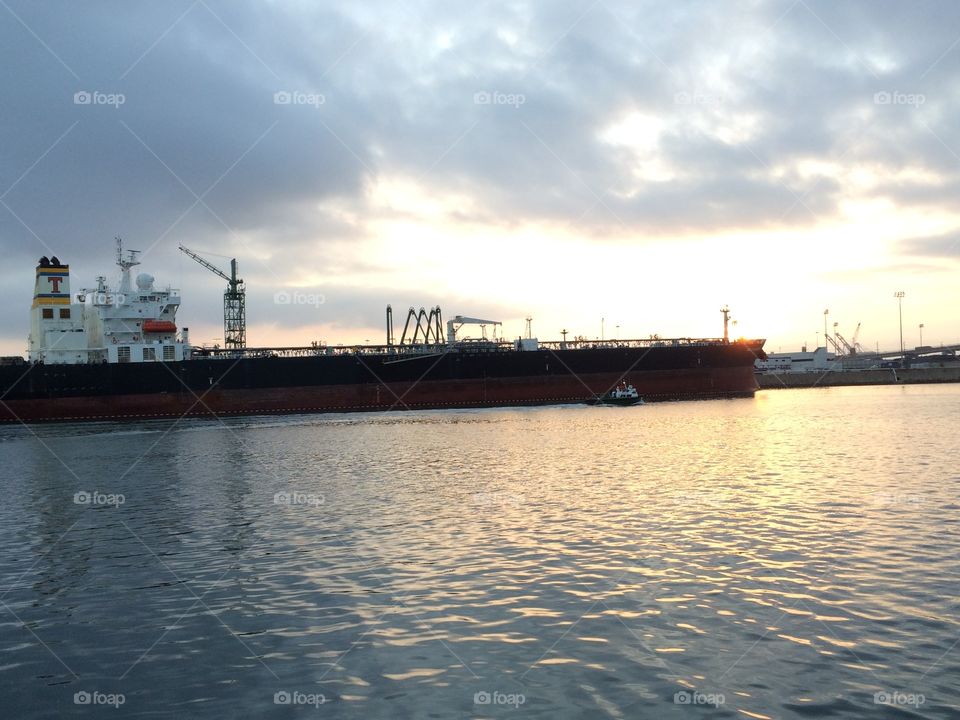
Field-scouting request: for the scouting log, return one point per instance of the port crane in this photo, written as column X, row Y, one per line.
column 840, row 344
column 234, row 302
column 856, row 340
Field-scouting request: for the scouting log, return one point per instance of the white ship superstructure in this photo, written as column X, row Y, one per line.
column 103, row 325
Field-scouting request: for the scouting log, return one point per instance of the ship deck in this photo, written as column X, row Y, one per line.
column 321, row 349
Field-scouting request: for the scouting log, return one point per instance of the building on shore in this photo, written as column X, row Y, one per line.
column 803, row 361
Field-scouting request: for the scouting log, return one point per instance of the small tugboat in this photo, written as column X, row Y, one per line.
column 622, row 394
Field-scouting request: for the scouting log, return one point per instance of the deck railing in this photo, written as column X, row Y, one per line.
column 471, row 346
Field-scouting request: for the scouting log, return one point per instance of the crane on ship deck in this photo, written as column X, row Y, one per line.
column 459, row 321
column 234, row 302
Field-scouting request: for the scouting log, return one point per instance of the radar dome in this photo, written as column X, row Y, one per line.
column 145, row 281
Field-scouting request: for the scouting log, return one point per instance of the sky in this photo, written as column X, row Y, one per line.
column 624, row 168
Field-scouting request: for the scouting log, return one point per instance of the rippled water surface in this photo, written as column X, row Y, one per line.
column 793, row 555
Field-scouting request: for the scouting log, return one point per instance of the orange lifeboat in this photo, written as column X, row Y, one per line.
column 159, row 326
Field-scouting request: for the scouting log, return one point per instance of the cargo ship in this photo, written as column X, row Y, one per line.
column 109, row 353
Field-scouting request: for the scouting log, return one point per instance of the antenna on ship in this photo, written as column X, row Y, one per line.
column 529, row 328
column 125, row 264
column 234, row 303
column 726, row 323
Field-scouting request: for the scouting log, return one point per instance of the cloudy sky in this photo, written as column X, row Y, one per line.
column 642, row 162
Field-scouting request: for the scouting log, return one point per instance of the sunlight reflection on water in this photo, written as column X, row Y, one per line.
column 789, row 555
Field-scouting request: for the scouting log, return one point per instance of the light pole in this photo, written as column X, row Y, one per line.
column 921, row 334
column 899, row 294
column 825, row 313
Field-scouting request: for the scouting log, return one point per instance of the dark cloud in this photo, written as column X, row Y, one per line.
column 938, row 246
column 742, row 96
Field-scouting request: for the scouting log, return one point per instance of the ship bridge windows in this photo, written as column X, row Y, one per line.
column 168, row 352
column 149, row 354
column 123, row 354
column 65, row 313
column 48, row 313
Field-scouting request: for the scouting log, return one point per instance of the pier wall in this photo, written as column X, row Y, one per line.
column 773, row 381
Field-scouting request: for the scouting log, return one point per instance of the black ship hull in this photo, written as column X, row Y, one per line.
column 355, row 380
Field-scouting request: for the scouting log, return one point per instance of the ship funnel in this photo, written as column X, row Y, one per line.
column 52, row 286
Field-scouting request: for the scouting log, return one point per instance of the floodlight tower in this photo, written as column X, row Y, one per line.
column 899, row 295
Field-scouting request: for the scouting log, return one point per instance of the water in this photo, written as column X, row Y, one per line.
column 787, row 556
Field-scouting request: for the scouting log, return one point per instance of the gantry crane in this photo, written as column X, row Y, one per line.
column 234, row 303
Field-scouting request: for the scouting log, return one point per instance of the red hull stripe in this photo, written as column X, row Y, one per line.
column 446, row 394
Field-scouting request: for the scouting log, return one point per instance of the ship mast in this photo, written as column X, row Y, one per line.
column 726, row 323
column 125, row 264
